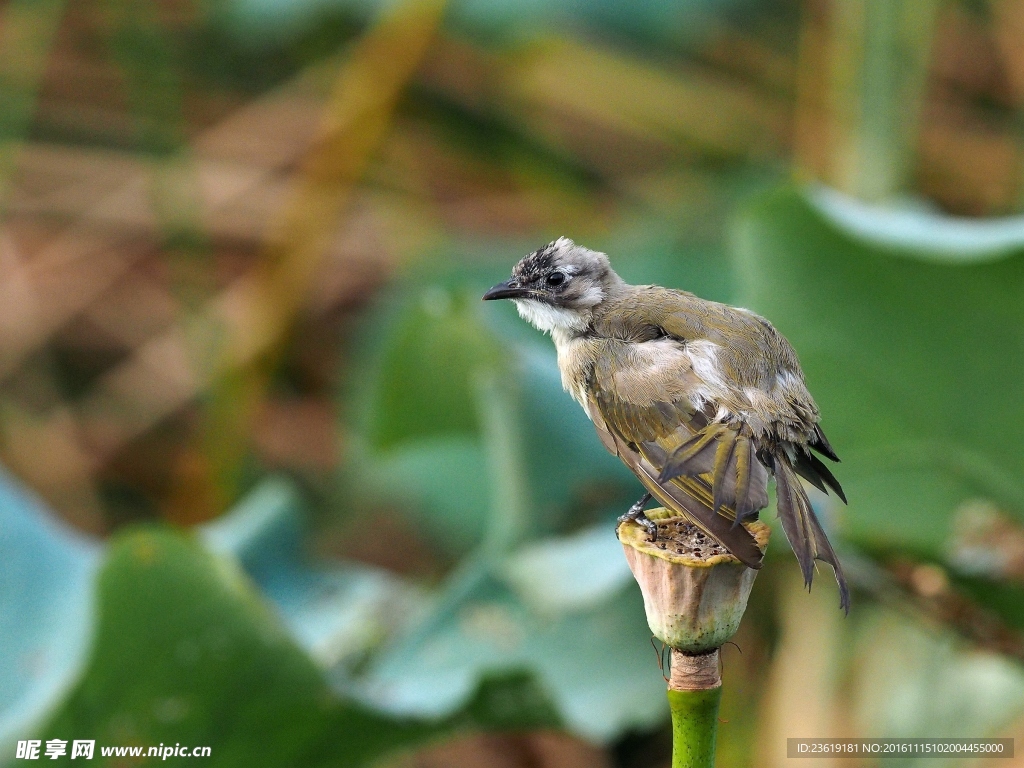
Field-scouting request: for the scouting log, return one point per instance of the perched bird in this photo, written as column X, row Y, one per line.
column 702, row 401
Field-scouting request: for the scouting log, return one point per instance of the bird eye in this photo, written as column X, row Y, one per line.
column 555, row 279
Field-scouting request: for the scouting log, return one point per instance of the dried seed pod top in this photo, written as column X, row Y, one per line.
column 694, row 591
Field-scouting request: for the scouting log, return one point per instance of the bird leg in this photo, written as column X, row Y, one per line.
column 636, row 512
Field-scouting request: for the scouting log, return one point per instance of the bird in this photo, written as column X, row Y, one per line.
column 701, row 400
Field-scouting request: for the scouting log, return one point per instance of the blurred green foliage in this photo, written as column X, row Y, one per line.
column 456, row 572
column 199, row 639
column 427, row 369
column 187, row 650
column 913, row 357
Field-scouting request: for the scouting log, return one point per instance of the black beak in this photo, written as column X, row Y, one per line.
column 507, row 290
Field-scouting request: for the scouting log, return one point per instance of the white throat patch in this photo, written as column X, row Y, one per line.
column 549, row 319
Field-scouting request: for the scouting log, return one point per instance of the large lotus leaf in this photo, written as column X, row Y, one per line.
column 335, row 611
column 440, row 483
column 596, row 665
column 187, row 652
column 567, row 573
column 415, row 406
column 46, row 596
column 913, row 346
column 572, row 606
column 173, row 644
column 436, row 348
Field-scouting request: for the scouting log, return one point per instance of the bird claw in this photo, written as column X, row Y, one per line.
column 636, row 514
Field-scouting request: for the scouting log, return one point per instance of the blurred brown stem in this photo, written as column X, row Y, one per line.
column 864, row 67
column 356, row 119
column 27, row 32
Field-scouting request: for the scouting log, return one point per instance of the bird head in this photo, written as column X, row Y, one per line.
column 558, row 287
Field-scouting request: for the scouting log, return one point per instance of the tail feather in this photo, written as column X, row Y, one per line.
column 826, row 475
column 820, row 443
column 805, row 534
column 814, row 471
column 803, row 467
column 746, row 480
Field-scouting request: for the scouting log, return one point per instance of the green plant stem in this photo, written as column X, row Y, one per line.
column 881, row 51
column 694, row 726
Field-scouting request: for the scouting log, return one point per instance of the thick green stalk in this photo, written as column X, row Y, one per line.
column 694, row 692
column 694, row 725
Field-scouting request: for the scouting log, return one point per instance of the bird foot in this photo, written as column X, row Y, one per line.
column 636, row 513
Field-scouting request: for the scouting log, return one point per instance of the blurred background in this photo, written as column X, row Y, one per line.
column 276, row 482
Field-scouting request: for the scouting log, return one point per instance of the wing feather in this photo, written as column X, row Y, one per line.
column 689, row 497
column 652, row 435
column 723, row 461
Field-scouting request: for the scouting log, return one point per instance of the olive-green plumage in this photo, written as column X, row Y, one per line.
column 702, row 401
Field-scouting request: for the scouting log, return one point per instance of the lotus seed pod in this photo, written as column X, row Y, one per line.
column 694, row 591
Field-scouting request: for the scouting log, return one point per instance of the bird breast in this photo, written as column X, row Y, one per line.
column 576, row 357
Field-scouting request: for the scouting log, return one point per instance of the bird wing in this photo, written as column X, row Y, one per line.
column 640, row 397
column 738, row 459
